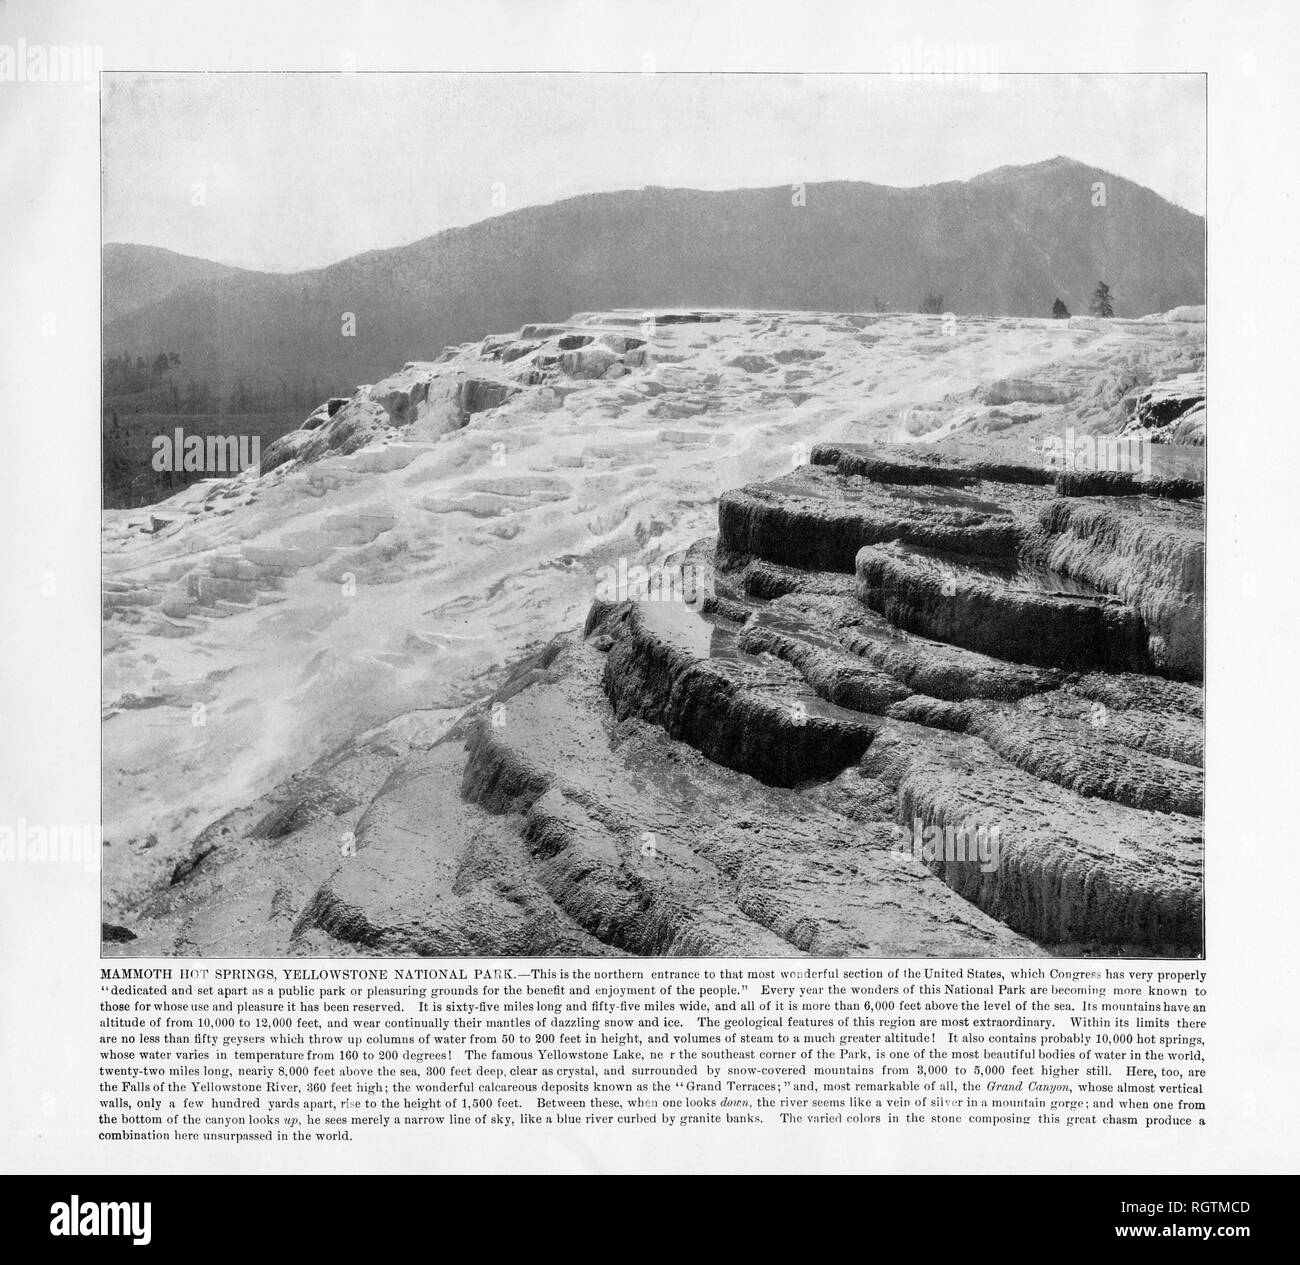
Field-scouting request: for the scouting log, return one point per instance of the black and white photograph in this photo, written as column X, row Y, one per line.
column 615, row 590
column 536, row 526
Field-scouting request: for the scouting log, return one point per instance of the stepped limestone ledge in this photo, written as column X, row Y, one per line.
column 351, row 705
column 1170, row 412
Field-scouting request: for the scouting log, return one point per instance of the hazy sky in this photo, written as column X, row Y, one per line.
column 300, row 170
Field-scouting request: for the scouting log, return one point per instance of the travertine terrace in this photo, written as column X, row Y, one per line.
column 379, row 699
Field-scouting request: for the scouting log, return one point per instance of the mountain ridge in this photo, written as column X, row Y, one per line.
column 129, row 285
column 1005, row 242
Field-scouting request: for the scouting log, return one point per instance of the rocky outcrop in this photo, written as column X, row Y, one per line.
column 429, row 399
column 1171, row 411
column 1072, row 869
column 654, row 849
column 1150, row 553
column 920, row 699
column 1123, row 483
column 543, row 825
column 475, row 395
column 719, row 700
column 990, row 669
column 919, row 467
column 811, row 520
column 997, row 609
column 890, row 716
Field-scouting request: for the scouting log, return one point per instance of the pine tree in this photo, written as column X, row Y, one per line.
column 1059, row 310
column 1101, row 305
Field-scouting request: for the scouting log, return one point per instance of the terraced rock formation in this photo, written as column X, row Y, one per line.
column 1002, row 657
column 880, row 658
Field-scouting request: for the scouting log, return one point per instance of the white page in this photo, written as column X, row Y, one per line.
column 276, row 666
